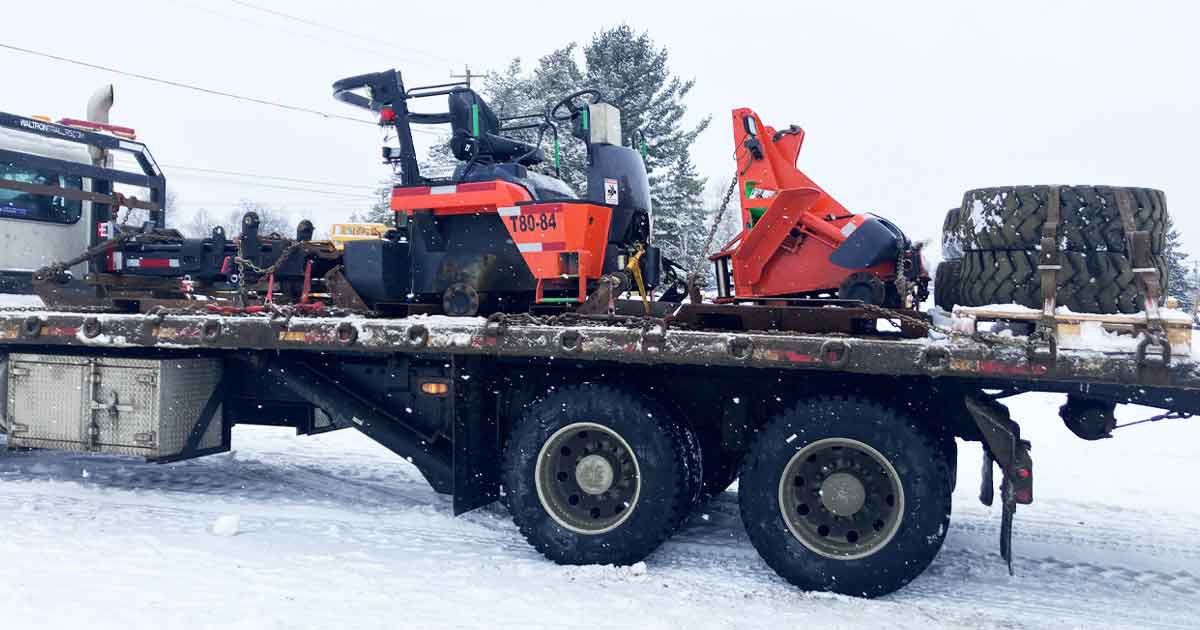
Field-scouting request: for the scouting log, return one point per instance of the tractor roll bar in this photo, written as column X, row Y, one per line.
column 387, row 89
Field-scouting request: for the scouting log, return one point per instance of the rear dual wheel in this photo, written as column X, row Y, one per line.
column 845, row 495
column 596, row 475
column 587, row 478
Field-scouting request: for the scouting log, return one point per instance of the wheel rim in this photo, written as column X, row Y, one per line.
column 841, row 498
column 587, row 478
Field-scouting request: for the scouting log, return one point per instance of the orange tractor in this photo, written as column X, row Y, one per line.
column 496, row 235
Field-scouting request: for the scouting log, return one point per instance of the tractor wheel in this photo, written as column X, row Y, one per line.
column 595, row 475
column 1011, row 218
column 947, row 284
column 846, row 495
column 864, row 287
column 951, row 245
column 460, row 300
column 1096, row 282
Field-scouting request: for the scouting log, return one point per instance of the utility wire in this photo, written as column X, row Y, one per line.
column 334, row 193
column 188, row 86
column 315, row 24
column 305, row 35
column 331, row 203
column 260, row 176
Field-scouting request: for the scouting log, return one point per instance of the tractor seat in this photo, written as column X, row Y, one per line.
column 489, row 143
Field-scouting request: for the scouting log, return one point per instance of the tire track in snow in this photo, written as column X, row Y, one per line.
column 380, row 505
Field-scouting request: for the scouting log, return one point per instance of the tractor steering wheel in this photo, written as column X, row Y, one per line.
column 568, row 103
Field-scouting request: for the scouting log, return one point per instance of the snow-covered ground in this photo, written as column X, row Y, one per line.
column 334, row 531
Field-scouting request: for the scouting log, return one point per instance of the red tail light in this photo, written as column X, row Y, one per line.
column 116, row 130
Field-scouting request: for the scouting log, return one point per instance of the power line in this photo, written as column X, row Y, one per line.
column 338, row 203
column 335, row 29
column 305, row 35
column 316, row 191
column 260, row 176
column 187, row 86
column 466, row 75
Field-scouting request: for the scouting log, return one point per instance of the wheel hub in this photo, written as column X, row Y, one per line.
column 843, row 494
column 587, row 478
column 841, row 498
column 594, row 474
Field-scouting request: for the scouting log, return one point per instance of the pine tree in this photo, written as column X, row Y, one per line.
column 1181, row 276
column 632, row 73
column 381, row 210
column 681, row 221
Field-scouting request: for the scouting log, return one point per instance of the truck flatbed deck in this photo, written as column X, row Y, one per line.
column 629, row 341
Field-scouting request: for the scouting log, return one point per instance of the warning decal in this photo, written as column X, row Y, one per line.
column 612, row 194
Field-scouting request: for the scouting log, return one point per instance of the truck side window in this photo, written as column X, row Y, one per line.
column 15, row 204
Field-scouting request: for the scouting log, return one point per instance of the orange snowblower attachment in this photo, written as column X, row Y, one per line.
column 797, row 241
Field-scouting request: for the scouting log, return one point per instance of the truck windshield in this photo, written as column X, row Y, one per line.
column 15, row 204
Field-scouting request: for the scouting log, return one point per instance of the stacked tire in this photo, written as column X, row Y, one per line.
column 991, row 244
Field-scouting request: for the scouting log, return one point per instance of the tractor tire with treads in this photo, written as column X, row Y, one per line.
column 1096, row 282
column 1012, row 217
column 952, row 248
column 947, row 284
column 719, row 473
column 847, row 495
column 599, row 475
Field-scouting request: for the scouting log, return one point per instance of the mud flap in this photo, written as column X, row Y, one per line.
column 477, row 443
column 1002, row 444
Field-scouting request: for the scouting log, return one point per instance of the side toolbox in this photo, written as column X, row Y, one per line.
column 143, row 407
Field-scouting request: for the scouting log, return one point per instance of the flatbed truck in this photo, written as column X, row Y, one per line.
column 601, row 433
column 455, row 396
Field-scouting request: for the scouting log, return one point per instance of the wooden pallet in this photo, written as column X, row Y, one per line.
column 1070, row 326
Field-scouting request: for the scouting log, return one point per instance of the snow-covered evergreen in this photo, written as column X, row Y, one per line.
column 1181, row 273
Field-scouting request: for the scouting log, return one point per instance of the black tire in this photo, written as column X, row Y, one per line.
column 947, row 284
column 693, row 455
column 895, row 552
column 720, row 471
column 865, row 287
column 1011, row 218
column 1098, row 282
column 951, row 244
column 667, row 472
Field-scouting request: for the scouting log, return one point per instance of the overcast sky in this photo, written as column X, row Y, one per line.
column 905, row 104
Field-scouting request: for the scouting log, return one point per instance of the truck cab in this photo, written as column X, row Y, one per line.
column 48, row 171
column 37, row 230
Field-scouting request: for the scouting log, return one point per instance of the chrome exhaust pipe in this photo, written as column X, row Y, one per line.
column 98, row 107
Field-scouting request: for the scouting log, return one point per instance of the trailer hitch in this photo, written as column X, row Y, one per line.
column 1002, row 444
